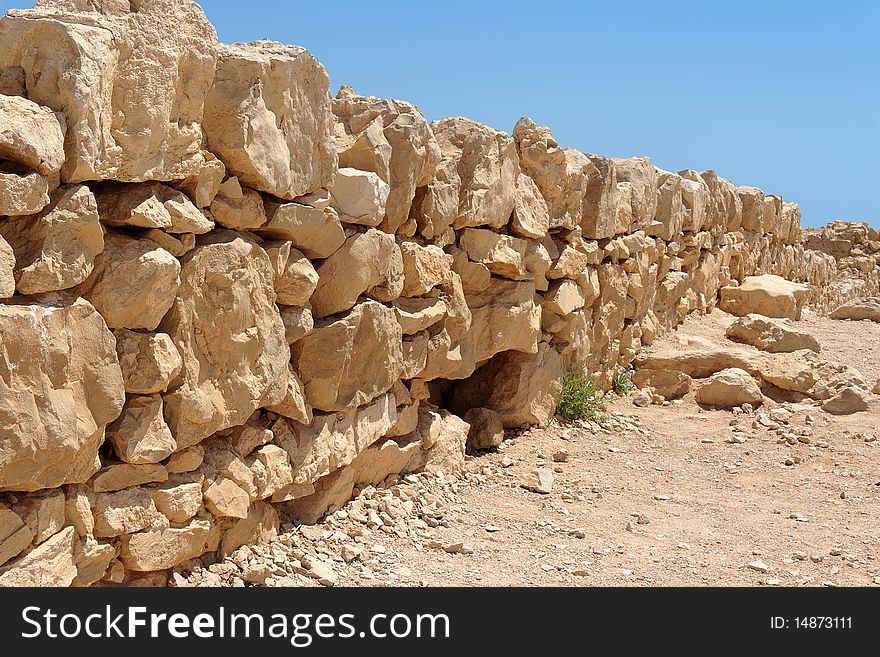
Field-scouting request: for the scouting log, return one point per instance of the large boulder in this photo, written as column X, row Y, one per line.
column 859, row 309
column 768, row 295
column 728, row 388
column 267, row 117
column 771, row 334
column 851, row 399
column 131, row 79
column 391, row 139
column 352, row 360
column 63, row 386
column 134, row 282
column 31, row 135
column 56, row 249
column 227, row 328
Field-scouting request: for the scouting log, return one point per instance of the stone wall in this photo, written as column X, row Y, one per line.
column 226, row 296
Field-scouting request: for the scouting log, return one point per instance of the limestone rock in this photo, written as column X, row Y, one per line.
column 43, row 513
column 298, row 322
column 177, row 502
column 539, row 480
column 850, row 400
column 56, row 249
column 295, row 277
column 92, row 561
column 271, row 469
column 530, row 218
column 390, row 138
column 424, row 267
column 415, row 315
column 521, row 387
column 728, row 388
column 126, row 512
column 225, row 499
column 134, row 283
column 7, row 270
column 367, row 263
column 236, row 207
column 564, row 297
column 859, row 309
column 294, row 404
column 352, row 360
column 229, row 332
column 332, row 492
column 151, row 205
column 15, row 535
column 669, row 384
column 504, row 317
column 485, row 165
column 444, row 437
column 317, row 233
column 22, row 192
column 487, row 430
column 149, row 361
column 64, row 386
column 132, row 82
column 140, row 435
column 185, row 460
column 267, row 116
column 260, row 527
column 125, row 475
column 359, row 196
column 503, row 255
column 768, row 295
column 202, row 187
column 770, row 334
column 32, row 135
column 373, row 465
column 50, row 564
column 641, row 175
column 157, row 550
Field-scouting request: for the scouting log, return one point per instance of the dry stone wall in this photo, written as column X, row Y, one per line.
column 226, row 296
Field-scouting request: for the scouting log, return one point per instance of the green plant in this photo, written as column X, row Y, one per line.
column 579, row 398
column 622, row 383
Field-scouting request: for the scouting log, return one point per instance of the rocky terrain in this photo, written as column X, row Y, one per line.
column 232, row 305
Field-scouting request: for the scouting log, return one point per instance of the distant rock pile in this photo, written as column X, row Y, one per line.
column 225, row 294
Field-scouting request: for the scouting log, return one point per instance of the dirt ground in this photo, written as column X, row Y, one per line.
column 659, row 497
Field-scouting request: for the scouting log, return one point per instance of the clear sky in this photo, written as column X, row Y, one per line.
column 781, row 94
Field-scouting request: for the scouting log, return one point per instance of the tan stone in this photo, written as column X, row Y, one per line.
column 92, row 561
column 56, row 249
column 768, row 295
column 298, row 322
column 56, row 401
column 7, row 269
column 695, row 197
column 236, row 207
column 332, row 441
column 475, row 277
column 140, row 434
column 43, row 513
column 669, row 384
column 669, row 218
column 78, row 510
column 359, row 196
column 332, row 492
column 49, row 564
column 267, row 116
column 132, row 84
column 390, row 138
column 485, row 164
column 350, row 361
column 424, row 268
column 387, row 457
column 203, row 185
column 564, row 297
column 851, row 400
column 415, row 315
column 444, row 437
column 770, row 334
column 730, row 387
column 149, row 361
column 259, row 528
column 504, row 317
column 229, row 333
column 22, row 192
column 225, row 499
column 570, row 263
column 151, row 205
column 32, row 135
column 725, row 206
column 15, row 535
column 521, row 387
column 316, row 232
column 125, row 475
column 530, row 218
column 641, row 175
column 134, row 282
column 503, row 255
column 859, row 309
column 294, row 404
column 295, row 277
column 177, row 245
column 486, row 429
column 271, row 469
column 186, row 460
column 177, row 502
column 126, row 512
column 158, row 550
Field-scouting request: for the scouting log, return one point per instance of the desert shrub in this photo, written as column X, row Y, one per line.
column 622, row 383
column 579, row 398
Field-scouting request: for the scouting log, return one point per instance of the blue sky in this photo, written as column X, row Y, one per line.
column 783, row 95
